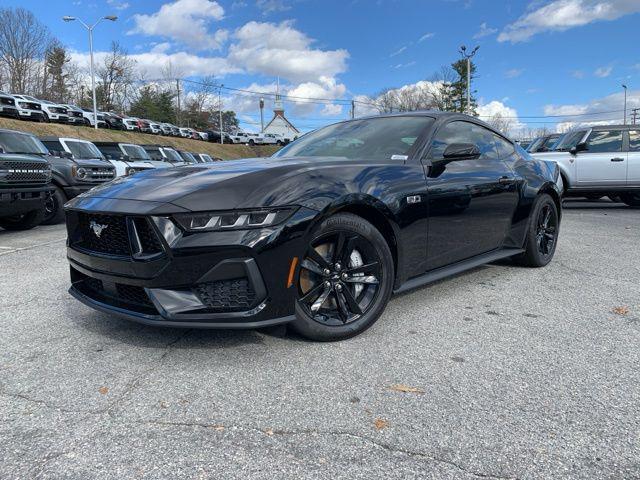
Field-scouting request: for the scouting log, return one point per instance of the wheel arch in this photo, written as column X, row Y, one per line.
column 375, row 213
column 549, row 189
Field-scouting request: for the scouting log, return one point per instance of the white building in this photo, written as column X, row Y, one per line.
column 279, row 123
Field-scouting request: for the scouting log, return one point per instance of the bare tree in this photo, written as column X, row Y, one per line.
column 23, row 42
column 115, row 75
column 503, row 124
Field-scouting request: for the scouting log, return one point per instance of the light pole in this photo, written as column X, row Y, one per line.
column 261, row 115
column 625, row 103
column 220, row 112
column 90, row 28
column 468, row 56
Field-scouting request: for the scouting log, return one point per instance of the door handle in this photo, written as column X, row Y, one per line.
column 617, row 159
column 505, row 180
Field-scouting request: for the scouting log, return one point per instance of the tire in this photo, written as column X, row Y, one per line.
column 542, row 234
column 87, row 122
column 54, row 211
column 252, row 143
column 631, row 199
column 341, row 295
column 23, row 222
column 46, row 117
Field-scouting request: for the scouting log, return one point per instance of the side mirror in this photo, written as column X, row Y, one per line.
column 461, row 151
column 125, row 158
column 581, row 147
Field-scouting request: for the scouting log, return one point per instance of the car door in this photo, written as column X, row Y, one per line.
column 604, row 162
column 633, row 159
column 471, row 202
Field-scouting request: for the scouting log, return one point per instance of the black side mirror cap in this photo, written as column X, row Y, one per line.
column 581, row 147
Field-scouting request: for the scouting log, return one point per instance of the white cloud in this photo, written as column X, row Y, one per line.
column 604, row 110
column 577, row 74
column 398, row 52
column 426, row 36
column 603, row 72
column 560, row 15
column 405, row 65
column 501, row 116
column 118, row 5
column 270, row 6
column 185, row 21
column 485, row 31
column 281, row 50
column 514, row 72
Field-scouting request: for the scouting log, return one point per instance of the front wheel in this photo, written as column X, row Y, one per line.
column 542, row 234
column 53, row 208
column 23, row 222
column 344, row 280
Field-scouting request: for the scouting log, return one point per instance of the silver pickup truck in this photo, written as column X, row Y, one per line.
column 598, row 161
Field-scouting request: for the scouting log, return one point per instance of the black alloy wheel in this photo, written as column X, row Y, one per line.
column 547, row 230
column 542, row 234
column 344, row 280
column 53, row 207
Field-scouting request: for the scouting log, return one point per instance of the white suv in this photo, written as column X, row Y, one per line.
column 28, row 109
column 599, row 161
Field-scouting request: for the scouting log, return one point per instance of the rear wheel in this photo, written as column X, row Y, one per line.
column 344, row 281
column 23, row 222
column 542, row 234
column 53, row 207
column 631, row 199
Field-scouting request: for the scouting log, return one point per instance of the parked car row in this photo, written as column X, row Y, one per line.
column 26, row 107
column 39, row 175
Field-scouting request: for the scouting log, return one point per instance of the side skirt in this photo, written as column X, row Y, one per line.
column 456, row 268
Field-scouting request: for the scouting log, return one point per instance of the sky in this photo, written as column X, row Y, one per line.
column 550, row 63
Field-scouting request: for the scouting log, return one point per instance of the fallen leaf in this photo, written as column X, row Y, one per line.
column 405, row 389
column 621, row 310
column 218, row 428
column 163, row 404
column 380, row 423
column 269, row 432
column 103, row 390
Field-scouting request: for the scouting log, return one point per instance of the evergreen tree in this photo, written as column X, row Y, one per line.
column 457, row 90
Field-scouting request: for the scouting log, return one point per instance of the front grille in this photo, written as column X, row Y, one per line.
column 113, row 234
column 120, row 295
column 26, row 172
column 30, row 105
column 149, row 241
column 58, row 110
column 101, row 174
column 76, row 114
column 235, row 295
column 103, row 234
column 7, row 101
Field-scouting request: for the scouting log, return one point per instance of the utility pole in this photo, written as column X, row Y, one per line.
column 220, row 112
column 261, row 115
column 468, row 56
column 625, row 103
column 178, row 90
column 635, row 115
column 353, row 109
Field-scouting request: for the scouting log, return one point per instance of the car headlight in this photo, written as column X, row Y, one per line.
column 80, row 173
column 233, row 220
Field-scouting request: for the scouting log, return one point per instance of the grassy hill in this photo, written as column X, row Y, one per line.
column 196, row 146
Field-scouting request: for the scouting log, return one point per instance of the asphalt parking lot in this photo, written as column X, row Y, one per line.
column 502, row 372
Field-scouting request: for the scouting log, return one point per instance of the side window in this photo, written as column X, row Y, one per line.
column 605, row 141
column 503, row 147
column 53, row 145
column 114, row 152
column 463, row 132
column 634, row 141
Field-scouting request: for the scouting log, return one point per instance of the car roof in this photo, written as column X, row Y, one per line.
column 8, row 130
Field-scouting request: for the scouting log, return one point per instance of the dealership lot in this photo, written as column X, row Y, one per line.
column 503, row 372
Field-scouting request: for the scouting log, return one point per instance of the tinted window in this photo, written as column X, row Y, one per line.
column 464, row 132
column 570, row 140
column 53, row 145
column 605, row 141
column 503, row 147
column 372, row 138
column 136, row 152
column 111, row 150
column 154, row 153
column 634, row 140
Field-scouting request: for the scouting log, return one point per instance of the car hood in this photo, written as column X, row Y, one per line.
column 93, row 163
column 225, row 185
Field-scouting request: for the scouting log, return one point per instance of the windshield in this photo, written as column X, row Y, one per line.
column 135, row 152
column 187, row 157
column 172, row 155
column 14, row 142
column 83, row 150
column 373, row 138
column 569, row 141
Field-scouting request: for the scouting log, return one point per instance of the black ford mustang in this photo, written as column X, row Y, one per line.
column 319, row 235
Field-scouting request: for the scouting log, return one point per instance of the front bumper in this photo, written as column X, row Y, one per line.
column 30, row 115
column 233, row 279
column 8, row 111
column 21, row 200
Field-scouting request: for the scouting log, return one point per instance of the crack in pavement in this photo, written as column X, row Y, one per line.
column 382, row 445
column 30, row 247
